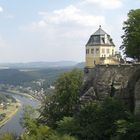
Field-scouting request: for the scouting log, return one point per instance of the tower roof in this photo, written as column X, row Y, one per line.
column 100, row 37
column 100, row 31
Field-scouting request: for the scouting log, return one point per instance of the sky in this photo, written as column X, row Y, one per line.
column 56, row 30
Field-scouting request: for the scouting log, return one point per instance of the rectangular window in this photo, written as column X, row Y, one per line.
column 87, row 51
column 112, row 52
column 92, row 51
column 108, row 51
column 97, row 50
column 103, row 50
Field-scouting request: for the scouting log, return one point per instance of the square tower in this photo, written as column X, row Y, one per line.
column 99, row 48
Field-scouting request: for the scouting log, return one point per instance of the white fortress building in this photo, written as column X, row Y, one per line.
column 100, row 49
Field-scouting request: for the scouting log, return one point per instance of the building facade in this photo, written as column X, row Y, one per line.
column 100, row 49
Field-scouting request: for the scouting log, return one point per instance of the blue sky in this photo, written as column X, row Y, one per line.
column 54, row 30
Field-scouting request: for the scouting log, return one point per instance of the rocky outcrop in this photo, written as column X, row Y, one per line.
column 89, row 95
column 121, row 81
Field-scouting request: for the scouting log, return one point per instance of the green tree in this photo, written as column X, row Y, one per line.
column 97, row 120
column 68, row 126
column 8, row 136
column 94, row 121
column 29, row 122
column 61, row 137
column 65, row 99
column 128, row 129
column 131, row 37
column 36, row 131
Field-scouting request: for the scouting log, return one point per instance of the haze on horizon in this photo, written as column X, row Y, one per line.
column 52, row 30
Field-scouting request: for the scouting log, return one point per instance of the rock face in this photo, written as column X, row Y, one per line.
column 122, row 81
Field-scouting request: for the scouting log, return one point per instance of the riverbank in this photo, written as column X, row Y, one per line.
column 13, row 125
column 22, row 94
column 19, row 93
column 10, row 112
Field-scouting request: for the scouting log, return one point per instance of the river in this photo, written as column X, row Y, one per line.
column 13, row 125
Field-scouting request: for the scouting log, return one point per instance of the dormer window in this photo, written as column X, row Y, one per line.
column 96, row 39
column 103, row 40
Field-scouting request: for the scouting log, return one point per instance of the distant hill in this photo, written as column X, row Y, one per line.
column 23, row 73
column 18, row 77
column 14, row 77
column 50, row 73
column 80, row 65
column 31, row 65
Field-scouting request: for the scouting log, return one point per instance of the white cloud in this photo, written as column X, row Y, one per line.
column 36, row 25
column 9, row 16
column 75, row 15
column 70, row 15
column 1, row 9
column 61, row 31
column 107, row 4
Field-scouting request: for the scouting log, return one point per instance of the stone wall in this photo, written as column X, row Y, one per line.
column 122, row 81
